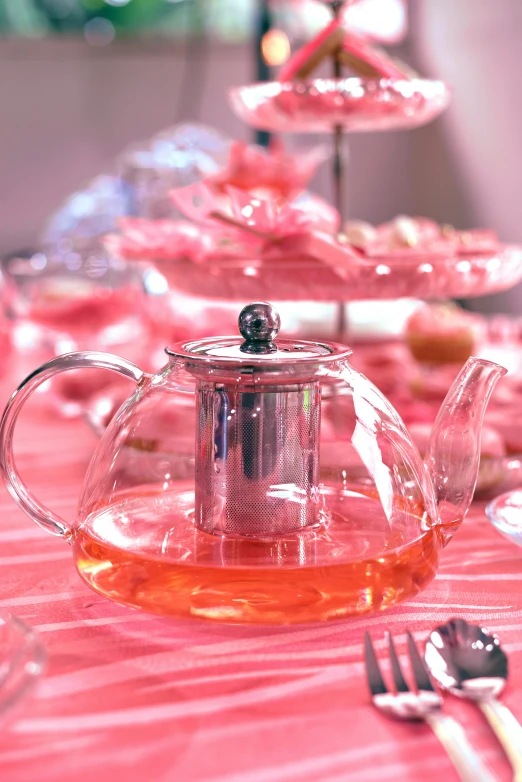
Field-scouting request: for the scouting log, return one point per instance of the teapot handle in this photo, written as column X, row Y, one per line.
column 85, row 360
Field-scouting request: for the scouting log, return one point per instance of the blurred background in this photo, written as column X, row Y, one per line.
column 82, row 79
column 97, row 98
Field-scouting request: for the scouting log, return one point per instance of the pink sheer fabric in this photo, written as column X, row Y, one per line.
column 130, row 696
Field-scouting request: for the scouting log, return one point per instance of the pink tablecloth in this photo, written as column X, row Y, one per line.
column 132, row 697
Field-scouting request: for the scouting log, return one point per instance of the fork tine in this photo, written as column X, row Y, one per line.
column 422, row 680
column 373, row 672
column 400, row 682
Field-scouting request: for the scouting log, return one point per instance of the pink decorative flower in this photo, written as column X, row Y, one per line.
column 249, row 217
column 380, row 20
column 235, row 225
column 275, row 173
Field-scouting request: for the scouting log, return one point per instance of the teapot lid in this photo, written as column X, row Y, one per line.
column 259, row 325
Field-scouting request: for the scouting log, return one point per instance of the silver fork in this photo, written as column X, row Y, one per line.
column 422, row 704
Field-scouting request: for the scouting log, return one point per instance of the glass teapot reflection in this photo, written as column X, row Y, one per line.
column 263, row 480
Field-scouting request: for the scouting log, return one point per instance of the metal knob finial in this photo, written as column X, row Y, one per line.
column 259, row 324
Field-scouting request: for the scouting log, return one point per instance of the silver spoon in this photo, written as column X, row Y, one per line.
column 468, row 662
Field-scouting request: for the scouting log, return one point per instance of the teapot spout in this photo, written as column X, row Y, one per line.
column 453, row 453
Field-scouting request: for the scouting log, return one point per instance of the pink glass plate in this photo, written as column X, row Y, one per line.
column 355, row 104
column 305, row 279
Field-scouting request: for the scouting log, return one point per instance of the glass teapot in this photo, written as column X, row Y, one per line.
column 263, row 480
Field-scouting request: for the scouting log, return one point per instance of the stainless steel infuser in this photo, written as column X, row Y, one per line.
column 257, row 438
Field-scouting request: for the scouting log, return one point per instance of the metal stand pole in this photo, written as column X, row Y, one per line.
column 338, row 161
column 338, row 175
column 264, row 24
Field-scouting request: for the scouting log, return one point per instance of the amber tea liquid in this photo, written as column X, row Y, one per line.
column 146, row 553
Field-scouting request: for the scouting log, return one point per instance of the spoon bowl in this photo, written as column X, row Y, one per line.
column 466, row 660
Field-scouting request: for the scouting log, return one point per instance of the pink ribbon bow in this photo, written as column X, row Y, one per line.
column 237, row 225
column 250, row 219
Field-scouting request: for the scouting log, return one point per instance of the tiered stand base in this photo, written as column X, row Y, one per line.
column 295, row 279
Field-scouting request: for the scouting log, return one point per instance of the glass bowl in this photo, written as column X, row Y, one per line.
column 22, row 660
column 355, row 104
column 76, row 301
column 505, row 513
column 78, row 293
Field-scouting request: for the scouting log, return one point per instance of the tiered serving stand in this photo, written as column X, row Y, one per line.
column 337, row 106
